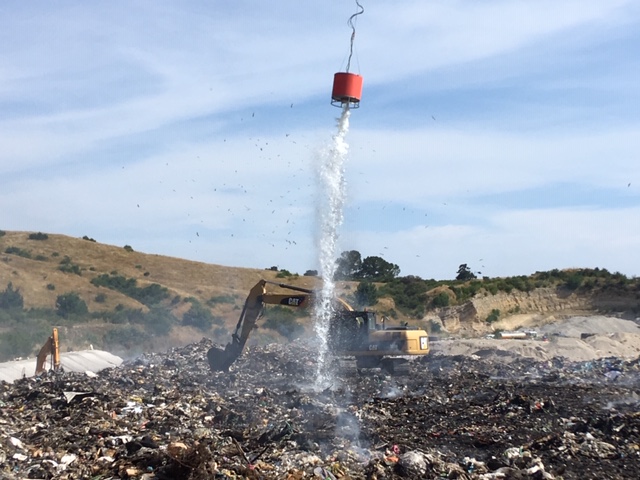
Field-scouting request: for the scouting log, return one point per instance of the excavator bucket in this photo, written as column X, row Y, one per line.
column 220, row 360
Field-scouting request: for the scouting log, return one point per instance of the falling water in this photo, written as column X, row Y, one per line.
column 332, row 195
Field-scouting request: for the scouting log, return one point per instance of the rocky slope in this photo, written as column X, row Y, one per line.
column 537, row 307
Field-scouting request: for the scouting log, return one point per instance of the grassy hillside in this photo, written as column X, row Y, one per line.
column 115, row 298
column 46, row 266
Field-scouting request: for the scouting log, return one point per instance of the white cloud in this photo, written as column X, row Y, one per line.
column 429, row 165
column 513, row 243
column 157, row 88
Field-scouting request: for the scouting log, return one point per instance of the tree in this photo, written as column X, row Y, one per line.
column 366, row 294
column 348, row 265
column 70, row 304
column 441, row 300
column 409, row 294
column 465, row 273
column 11, row 298
column 377, row 269
column 38, row 236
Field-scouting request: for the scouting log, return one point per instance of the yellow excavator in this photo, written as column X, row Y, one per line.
column 351, row 333
column 50, row 347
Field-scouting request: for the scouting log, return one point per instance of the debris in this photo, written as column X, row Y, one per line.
column 166, row 416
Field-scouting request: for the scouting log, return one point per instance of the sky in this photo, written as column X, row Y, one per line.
column 502, row 134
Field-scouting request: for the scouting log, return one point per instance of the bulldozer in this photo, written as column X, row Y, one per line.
column 351, row 333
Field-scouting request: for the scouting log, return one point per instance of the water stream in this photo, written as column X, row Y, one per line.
column 332, row 189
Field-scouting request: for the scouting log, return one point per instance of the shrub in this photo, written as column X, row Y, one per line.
column 504, row 286
column 283, row 273
column 434, row 326
column 441, row 300
column 100, row 298
column 366, row 294
column 128, row 248
column 493, row 316
column 2, row 233
column 70, row 305
column 18, row 251
column 38, row 236
column 283, row 321
column 41, row 258
column 150, row 295
column 51, row 286
column 574, row 281
column 88, row 238
column 198, row 316
column 11, row 299
column 311, row 273
column 127, row 336
column 159, row 321
column 55, row 254
column 408, row 293
column 220, row 332
column 217, row 299
column 16, row 343
column 67, row 266
column 70, row 268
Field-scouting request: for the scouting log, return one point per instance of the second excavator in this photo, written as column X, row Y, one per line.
column 351, row 333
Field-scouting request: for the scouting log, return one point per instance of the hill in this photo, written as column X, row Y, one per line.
column 43, row 267
column 117, row 299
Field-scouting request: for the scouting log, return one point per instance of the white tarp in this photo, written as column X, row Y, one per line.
column 82, row 361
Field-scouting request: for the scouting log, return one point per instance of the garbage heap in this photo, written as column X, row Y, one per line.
column 166, row 416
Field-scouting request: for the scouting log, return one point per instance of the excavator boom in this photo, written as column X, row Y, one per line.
column 50, row 347
column 221, row 360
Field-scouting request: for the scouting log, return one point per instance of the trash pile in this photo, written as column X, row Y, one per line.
column 166, row 416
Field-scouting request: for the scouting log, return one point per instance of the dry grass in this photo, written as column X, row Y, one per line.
column 182, row 277
column 40, row 281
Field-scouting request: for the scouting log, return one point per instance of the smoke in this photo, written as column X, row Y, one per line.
column 331, row 185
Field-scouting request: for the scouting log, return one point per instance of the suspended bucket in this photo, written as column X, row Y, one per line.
column 347, row 89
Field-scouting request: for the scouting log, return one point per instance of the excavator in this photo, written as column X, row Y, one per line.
column 50, row 347
column 351, row 333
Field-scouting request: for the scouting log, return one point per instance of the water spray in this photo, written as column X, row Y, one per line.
column 346, row 94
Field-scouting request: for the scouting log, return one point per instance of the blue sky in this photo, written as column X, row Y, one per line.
column 501, row 134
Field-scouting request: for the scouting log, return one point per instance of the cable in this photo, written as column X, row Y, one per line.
column 353, row 31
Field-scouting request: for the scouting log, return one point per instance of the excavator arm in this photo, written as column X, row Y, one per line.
column 221, row 360
column 50, row 347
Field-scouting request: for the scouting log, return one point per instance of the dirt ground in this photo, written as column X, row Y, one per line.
column 603, row 337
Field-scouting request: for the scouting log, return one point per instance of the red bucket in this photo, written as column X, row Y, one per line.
column 347, row 89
